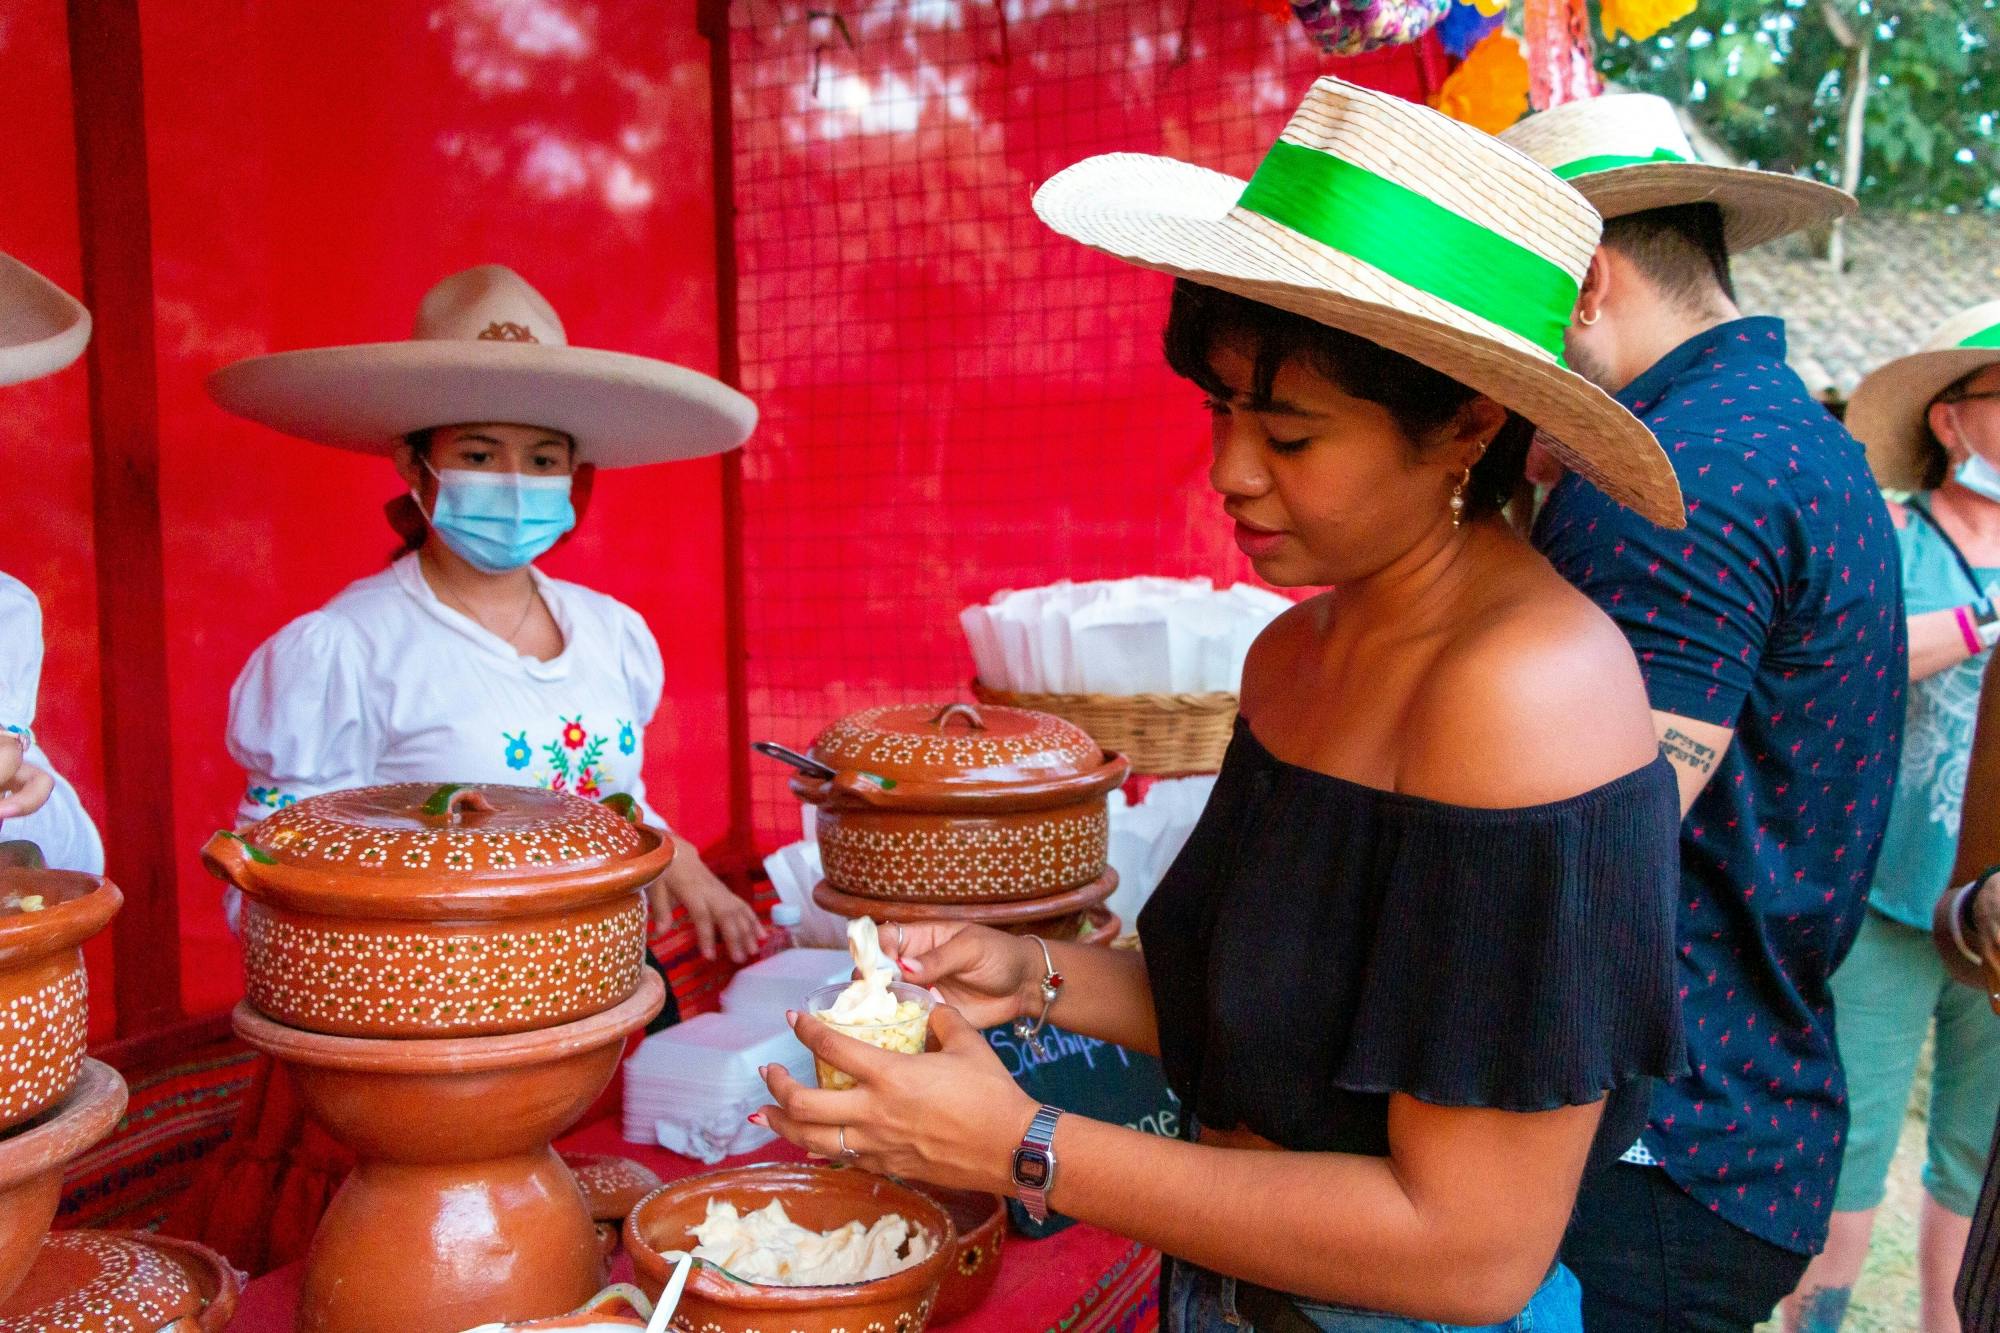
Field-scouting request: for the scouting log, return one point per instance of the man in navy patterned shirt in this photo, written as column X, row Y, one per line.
column 1771, row 636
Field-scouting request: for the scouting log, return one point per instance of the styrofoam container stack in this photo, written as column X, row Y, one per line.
column 765, row 990
column 690, row 1088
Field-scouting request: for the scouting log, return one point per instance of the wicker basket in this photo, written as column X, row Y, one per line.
column 1164, row 735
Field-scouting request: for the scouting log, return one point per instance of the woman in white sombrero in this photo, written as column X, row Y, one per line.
column 461, row 661
column 1414, row 967
column 42, row 331
column 1931, row 425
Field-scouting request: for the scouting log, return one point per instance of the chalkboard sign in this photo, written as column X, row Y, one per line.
column 1089, row 1077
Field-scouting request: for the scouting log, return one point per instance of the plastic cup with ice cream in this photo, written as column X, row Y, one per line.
column 902, row 1029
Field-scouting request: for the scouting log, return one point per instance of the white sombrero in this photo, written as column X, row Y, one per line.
column 42, row 328
column 1627, row 153
column 1890, row 409
column 488, row 347
column 1393, row 222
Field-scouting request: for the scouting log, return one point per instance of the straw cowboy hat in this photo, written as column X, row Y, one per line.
column 1890, row 409
column 1627, row 153
column 488, row 347
column 42, row 329
column 1390, row 221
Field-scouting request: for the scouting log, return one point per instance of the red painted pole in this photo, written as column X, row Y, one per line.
column 713, row 18
column 114, row 220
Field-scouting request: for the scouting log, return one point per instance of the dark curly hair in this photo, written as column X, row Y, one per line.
column 1421, row 401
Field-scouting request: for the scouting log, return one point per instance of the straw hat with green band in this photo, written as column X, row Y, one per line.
column 1390, row 221
column 1627, row 153
column 1890, row 409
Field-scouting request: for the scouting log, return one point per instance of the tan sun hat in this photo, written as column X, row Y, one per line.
column 488, row 347
column 1627, row 153
column 1890, row 409
column 1390, row 221
column 42, row 328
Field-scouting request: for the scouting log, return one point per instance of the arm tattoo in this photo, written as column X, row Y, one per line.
column 1685, row 750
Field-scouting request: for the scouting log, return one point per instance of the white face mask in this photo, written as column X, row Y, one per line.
column 1979, row 476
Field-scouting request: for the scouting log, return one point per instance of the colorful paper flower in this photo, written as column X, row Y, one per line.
column 628, row 738
column 518, row 753
column 1465, row 26
column 1490, row 90
column 1640, row 19
column 573, row 734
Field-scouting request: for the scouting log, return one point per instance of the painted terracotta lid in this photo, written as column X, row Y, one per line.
column 106, row 1282
column 959, row 745
column 611, row 1185
column 451, row 847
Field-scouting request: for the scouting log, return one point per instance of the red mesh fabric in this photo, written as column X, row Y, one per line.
column 955, row 399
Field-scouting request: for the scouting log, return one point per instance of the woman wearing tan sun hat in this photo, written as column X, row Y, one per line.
column 42, row 330
column 1931, row 424
column 1412, row 970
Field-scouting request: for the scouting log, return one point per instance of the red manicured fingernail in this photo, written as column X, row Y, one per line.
column 907, row 966
column 792, row 1017
column 757, row 1118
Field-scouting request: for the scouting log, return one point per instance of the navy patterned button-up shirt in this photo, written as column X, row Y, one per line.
column 1778, row 613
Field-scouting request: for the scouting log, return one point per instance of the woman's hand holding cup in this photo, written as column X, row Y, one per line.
column 988, row 975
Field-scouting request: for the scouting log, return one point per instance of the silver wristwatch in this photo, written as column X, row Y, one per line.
column 1035, row 1163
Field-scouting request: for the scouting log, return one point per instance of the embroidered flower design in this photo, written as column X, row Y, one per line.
column 628, row 738
column 586, row 784
column 573, row 734
column 519, row 755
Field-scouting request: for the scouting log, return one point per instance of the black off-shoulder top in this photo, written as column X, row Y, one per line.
column 1320, row 944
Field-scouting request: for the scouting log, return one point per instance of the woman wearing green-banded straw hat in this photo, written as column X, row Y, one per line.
column 1413, row 967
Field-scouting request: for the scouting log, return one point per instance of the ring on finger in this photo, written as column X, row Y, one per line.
column 899, row 938
column 846, row 1151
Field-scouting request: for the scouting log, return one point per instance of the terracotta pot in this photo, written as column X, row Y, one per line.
column 959, row 804
column 418, row 911
column 123, row 1282
column 981, row 1220
column 612, row 1186
column 457, row 1213
column 44, row 998
column 32, row 1161
column 819, row 1197
column 1060, row 916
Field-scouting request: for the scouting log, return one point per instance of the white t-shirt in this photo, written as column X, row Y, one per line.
column 386, row 683
column 67, row 838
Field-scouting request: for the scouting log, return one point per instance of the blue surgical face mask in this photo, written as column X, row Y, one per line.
column 500, row 521
column 1980, row 477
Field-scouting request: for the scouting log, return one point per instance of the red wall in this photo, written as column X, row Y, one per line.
column 954, row 398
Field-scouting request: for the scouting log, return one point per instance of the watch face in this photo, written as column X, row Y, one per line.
column 1031, row 1169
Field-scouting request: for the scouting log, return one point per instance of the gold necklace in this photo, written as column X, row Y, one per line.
column 464, row 607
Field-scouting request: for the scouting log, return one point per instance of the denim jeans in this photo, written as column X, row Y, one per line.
column 1199, row 1301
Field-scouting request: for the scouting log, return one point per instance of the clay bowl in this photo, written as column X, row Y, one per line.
column 44, row 1003
column 32, row 1159
column 612, row 1186
column 819, row 1197
column 981, row 1220
column 123, row 1282
column 1059, row 915
column 1100, row 928
column 407, row 911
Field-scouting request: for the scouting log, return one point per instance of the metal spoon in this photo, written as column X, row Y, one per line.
column 812, row 768
column 663, row 1313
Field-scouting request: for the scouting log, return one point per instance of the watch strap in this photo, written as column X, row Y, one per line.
column 1038, row 1145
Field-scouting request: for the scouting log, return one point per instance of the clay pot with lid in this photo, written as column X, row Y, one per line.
column 957, row 804
column 45, row 916
column 418, row 911
column 124, row 1282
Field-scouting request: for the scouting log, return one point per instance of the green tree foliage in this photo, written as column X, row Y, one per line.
column 1771, row 79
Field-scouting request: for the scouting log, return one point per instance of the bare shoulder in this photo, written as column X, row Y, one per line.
column 1538, row 700
column 1267, row 669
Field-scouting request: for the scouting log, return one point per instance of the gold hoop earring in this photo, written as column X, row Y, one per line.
column 1588, row 318
column 1458, row 498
